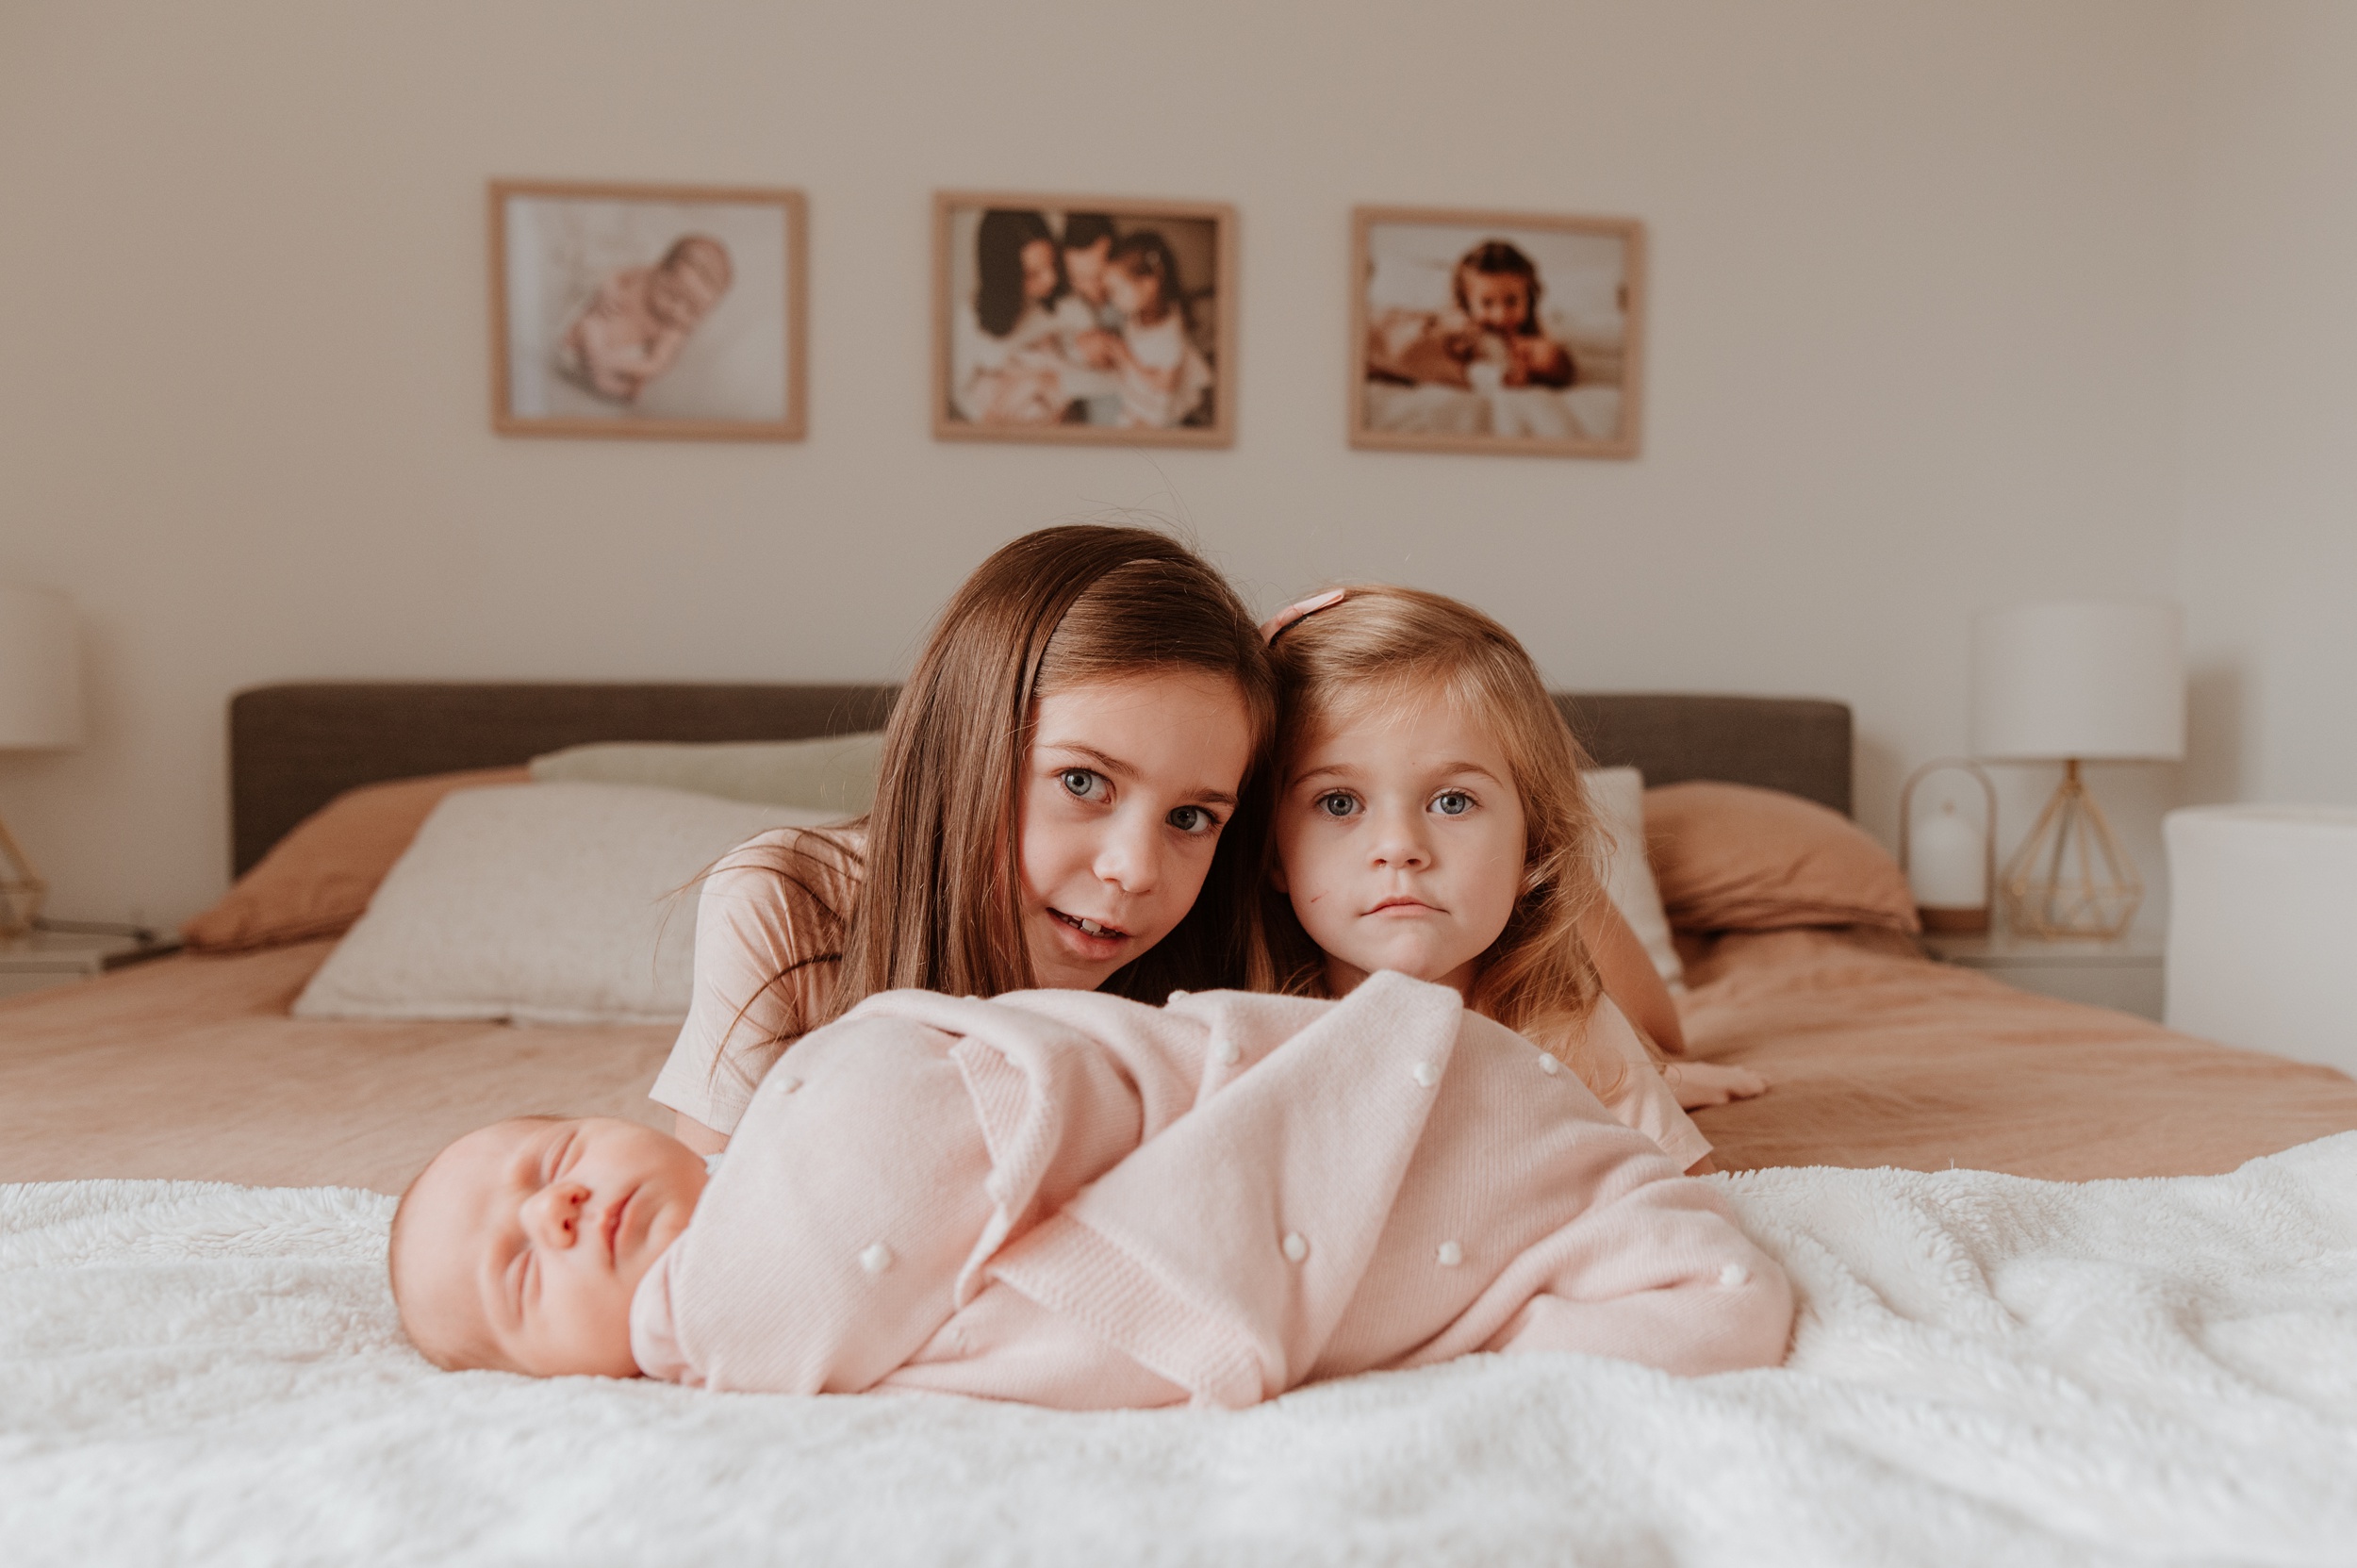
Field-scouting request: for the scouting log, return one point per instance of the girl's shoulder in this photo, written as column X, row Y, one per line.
column 820, row 869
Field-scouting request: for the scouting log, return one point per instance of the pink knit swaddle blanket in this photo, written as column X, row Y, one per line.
column 1071, row 1199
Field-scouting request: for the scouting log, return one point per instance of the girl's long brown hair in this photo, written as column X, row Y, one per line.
column 1384, row 646
column 938, row 905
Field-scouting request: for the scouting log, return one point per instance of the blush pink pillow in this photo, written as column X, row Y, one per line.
column 1732, row 857
column 317, row 880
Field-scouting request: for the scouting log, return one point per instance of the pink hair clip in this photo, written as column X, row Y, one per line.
column 1293, row 612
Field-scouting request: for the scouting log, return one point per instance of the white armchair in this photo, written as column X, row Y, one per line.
column 2263, row 929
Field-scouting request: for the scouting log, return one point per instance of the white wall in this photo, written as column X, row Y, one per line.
column 1915, row 342
column 2271, row 534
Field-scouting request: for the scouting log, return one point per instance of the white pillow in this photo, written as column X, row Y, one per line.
column 556, row 904
column 831, row 773
column 1617, row 794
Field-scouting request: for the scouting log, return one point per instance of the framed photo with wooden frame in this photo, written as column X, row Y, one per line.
column 1083, row 319
column 647, row 310
column 1496, row 332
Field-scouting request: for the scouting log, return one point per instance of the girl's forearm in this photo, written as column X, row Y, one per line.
column 1629, row 977
column 1161, row 381
column 696, row 1136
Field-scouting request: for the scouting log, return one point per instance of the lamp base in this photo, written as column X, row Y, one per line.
column 22, row 891
column 2071, row 878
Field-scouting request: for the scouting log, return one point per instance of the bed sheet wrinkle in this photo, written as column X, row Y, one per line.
column 191, row 1067
column 1879, row 1056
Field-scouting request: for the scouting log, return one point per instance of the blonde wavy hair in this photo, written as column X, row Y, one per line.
column 1384, row 647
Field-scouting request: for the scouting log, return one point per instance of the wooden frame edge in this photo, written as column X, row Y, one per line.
column 791, row 200
column 1627, row 444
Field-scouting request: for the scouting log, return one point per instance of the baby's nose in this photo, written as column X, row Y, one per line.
column 553, row 1213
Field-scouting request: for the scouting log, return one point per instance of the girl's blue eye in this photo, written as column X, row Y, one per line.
column 1337, row 804
column 1081, row 783
column 1452, row 802
column 1192, row 819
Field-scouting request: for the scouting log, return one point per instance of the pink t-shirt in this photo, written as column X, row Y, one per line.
column 768, row 937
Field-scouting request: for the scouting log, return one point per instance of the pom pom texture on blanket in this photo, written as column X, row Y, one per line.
column 1987, row 1369
column 1072, row 1200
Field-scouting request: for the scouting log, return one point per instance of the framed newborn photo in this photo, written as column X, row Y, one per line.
column 1083, row 319
column 1495, row 332
column 646, row 310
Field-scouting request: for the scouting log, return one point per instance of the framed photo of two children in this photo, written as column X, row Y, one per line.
column 1495, row 332
column 647, row 310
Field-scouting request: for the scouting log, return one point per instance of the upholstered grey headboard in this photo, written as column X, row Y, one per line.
column 1800, row 745
column 294, row 747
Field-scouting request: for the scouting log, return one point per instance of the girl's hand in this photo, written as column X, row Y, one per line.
column 1293, row 612
column 1539, row 361
column 1700, row 1083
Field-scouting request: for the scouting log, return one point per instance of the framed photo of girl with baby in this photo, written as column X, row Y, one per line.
column 1083, row 319
column 647, row 310
column 1495, row 332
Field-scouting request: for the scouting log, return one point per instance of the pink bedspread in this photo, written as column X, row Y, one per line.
column 1879, row 1057
column 1071, row 1199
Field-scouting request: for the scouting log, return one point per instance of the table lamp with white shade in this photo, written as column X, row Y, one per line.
column 41, row 709
column 2085, row 681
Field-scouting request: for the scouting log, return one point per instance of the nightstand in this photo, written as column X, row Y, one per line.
column 2122, row 972
column 44, row 958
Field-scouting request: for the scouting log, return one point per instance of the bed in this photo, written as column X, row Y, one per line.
column 2014, row 1346
column 190, row 1066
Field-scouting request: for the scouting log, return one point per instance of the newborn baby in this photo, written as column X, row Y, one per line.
column 634, row 329
column 1070, row 1199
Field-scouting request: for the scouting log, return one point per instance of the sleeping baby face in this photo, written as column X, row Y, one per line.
column 520, row 1246
column 692, row 276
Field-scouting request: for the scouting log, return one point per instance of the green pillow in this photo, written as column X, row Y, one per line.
column 831, row 773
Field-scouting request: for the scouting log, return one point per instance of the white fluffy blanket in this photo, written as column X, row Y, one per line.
column 1987, row 1370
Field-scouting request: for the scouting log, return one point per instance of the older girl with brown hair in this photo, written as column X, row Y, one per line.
column 1071, row 796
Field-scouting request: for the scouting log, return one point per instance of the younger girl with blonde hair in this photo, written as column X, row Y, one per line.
column 1431, row 819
